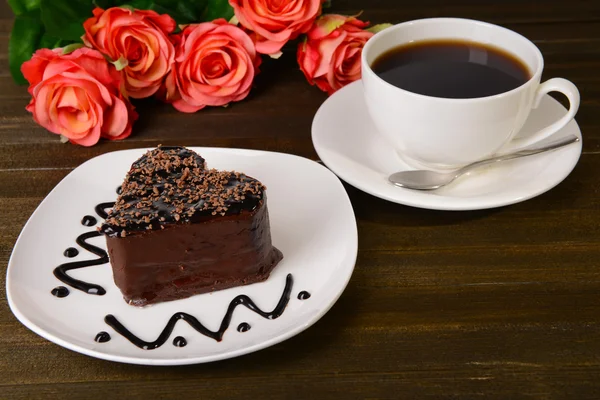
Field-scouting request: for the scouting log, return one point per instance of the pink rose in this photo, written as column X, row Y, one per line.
column 215, row 64
column 76, row 96
column 137, row 43
column 330, row 57
column 274, row 22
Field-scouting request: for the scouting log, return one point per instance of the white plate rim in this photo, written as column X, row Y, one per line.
column 424, row 200
column 194, row 360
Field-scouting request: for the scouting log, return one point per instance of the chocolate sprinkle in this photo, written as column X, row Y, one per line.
column 171, row 185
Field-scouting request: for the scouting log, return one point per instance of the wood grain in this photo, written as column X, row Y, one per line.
column 502, row 303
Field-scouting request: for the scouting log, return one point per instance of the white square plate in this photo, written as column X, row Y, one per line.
column 312, row 223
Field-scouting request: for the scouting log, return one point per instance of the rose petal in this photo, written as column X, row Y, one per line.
column 115, row 118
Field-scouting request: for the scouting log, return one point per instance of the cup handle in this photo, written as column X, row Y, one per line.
column 552, row 85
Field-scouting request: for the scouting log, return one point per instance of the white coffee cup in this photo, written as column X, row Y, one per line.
column 442, row 133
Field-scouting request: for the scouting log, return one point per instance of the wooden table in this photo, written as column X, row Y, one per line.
column 500, row 303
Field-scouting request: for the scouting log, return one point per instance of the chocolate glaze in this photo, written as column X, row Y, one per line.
column 102, row 337
column 243, row 327
column 88, row 220
column 171, row 185
column 60, row 291
column 179, row 341
column 244, row 300
column 303, row 295
column 71, row 252
column 61, row 271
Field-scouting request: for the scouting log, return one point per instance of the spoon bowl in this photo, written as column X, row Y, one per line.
column 422, row 179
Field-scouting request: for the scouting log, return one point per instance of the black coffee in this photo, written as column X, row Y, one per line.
column 452, row 69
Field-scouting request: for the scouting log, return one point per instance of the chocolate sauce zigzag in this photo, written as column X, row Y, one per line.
column 60, row 272
column 101, row 209
column 242, row 299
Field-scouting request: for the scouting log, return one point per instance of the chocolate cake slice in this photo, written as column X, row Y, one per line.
column 178, row 229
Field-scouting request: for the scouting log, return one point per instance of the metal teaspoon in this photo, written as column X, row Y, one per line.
column 430, row 180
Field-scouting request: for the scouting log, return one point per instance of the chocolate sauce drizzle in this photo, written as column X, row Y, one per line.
column 61, row 271
column 179, row 341
column 102, row 337
column 88, row 220
column 303, row 295
column 102, row 207
column 242, row 299
column 243, row 327
column 60, row 292
column 71, row 252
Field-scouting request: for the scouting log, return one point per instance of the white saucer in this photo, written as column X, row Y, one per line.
column 312, row 223
column 348, row 143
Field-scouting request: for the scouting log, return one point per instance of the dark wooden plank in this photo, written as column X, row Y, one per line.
column 529, row 381
column 504, row 12
column 411, row 336
column 507, row 11
column 51, row 154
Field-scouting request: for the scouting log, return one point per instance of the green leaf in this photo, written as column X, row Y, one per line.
column 188, row 13
column 327, row 4
column 51, row 42
column 217, row 9
column 64, row 18
column 184, row 12
column 378, row 28
column 179, row 18
column 139, row 4
column 106, row 3
column 20, row 7
column 27, row 36
column 24, row 38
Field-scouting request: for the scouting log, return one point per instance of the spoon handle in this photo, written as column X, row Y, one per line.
column 521, row 153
